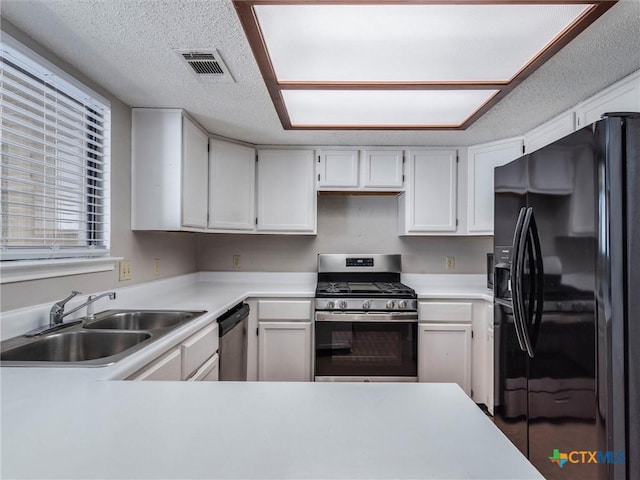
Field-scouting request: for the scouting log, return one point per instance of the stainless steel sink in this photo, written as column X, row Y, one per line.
column 140, row 319
column 78, row 346
column 105, row 339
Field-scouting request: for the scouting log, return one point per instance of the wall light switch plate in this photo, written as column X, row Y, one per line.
column 236, row 261
column 156, row 267
column 125, row 270
column 451, row 263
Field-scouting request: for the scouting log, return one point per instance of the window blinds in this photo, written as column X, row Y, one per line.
column 54, row 171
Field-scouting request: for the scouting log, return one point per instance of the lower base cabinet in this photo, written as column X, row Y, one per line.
column 284, row 340
column 195, row 359
column 445, row 353
column 284, row 351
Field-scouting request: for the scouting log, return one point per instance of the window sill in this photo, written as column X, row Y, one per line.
column 24, row 270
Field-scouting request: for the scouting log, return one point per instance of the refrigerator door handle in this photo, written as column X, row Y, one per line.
column 516, row 280
column 518, row 303
column 538, row 284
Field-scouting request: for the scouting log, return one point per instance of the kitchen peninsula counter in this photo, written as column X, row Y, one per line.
column 85, row 423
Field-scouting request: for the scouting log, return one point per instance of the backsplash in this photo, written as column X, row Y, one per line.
column 346, row 224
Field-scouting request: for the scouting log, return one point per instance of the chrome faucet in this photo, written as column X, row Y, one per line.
column 92, row 298
column 57, row 313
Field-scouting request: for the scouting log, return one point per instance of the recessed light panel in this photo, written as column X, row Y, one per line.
column 382, row 108
column 414, row 64
column 408, row 43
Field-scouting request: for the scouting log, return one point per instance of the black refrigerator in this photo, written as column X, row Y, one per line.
column 567, row 302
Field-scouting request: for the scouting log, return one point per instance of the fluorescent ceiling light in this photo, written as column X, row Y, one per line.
column 382, row 108
column 408, row 43
column 414, row 64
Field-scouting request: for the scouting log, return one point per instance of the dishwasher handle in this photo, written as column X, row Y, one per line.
column 233, row 317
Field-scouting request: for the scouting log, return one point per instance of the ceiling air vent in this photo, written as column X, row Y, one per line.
column 207, row 65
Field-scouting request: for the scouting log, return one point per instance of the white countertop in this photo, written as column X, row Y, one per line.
column 254, row 430
column 76, row 423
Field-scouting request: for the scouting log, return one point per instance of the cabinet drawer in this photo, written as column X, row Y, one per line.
column 198, row 348
column 445, row 312
column 167, row 367
column 279, row 310
column 207, row 372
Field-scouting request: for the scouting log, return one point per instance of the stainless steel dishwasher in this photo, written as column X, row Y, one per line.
column 232, row 328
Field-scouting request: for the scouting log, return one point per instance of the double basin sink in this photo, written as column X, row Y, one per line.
column 108, row 337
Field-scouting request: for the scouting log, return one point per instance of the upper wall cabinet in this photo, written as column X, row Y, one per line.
column 549, row 132
column 169, row 171
column 483, row 159
column 286, row 191
column 377, row 170
column 623, row 96
column 232, row 177
column 382, row 169
column 428, row 205
column 338, row 169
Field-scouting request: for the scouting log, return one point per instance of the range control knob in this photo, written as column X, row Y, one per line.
column 390, row 304
column 366, row 305
column 402, row 304
column 331, row 305
column 342, row 304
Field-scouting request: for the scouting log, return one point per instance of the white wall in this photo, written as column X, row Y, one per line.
column 346, row 224
column 176, row 251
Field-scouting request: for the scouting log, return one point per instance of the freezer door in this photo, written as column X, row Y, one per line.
column 562, row 401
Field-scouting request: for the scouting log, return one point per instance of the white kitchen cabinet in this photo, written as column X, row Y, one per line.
column 483, row 159
column 429, row 205
column 232, row 170
column 167, row 367
column 198, row 349
column 489, row 361
column 338, row 169
column 284, row 340
column 169, row 171
column 382, row 169
column 445, row 342
column 360, row 170
column 286, row 191
column 284, row 350
column 195, row 359
column 444, row 353
column 550, row 131
column 208, row 372
column 623, row 96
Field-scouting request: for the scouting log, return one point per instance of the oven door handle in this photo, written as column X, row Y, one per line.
column 367, row 317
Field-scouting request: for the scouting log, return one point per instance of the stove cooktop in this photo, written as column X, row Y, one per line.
column 364, row 289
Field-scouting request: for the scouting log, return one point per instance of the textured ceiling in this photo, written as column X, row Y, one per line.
column 127, row 46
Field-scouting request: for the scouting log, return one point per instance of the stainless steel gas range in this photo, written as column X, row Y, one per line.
column 366, row 321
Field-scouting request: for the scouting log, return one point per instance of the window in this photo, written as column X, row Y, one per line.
column 54, row 168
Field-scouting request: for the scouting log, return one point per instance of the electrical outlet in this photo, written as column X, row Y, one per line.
column 451, row 263
column 125, row 270
column 156, row 267
column 236, row 261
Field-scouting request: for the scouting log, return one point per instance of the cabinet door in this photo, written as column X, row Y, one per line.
column 286, row 191
column 284, row 351
column 488, row 374
column 550, row 131
column 483, row 160
column 195, row 173
column 232, row 186
column 623, row 96
column 430, row 203
column 208, row 372
column 167, row 367
column 382, row 169
column 444, row 353
column 337, row 169
column 198, row 348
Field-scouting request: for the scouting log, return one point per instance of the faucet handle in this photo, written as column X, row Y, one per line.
column 73, row 294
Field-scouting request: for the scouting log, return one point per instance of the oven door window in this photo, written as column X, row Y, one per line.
column 366, row 349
